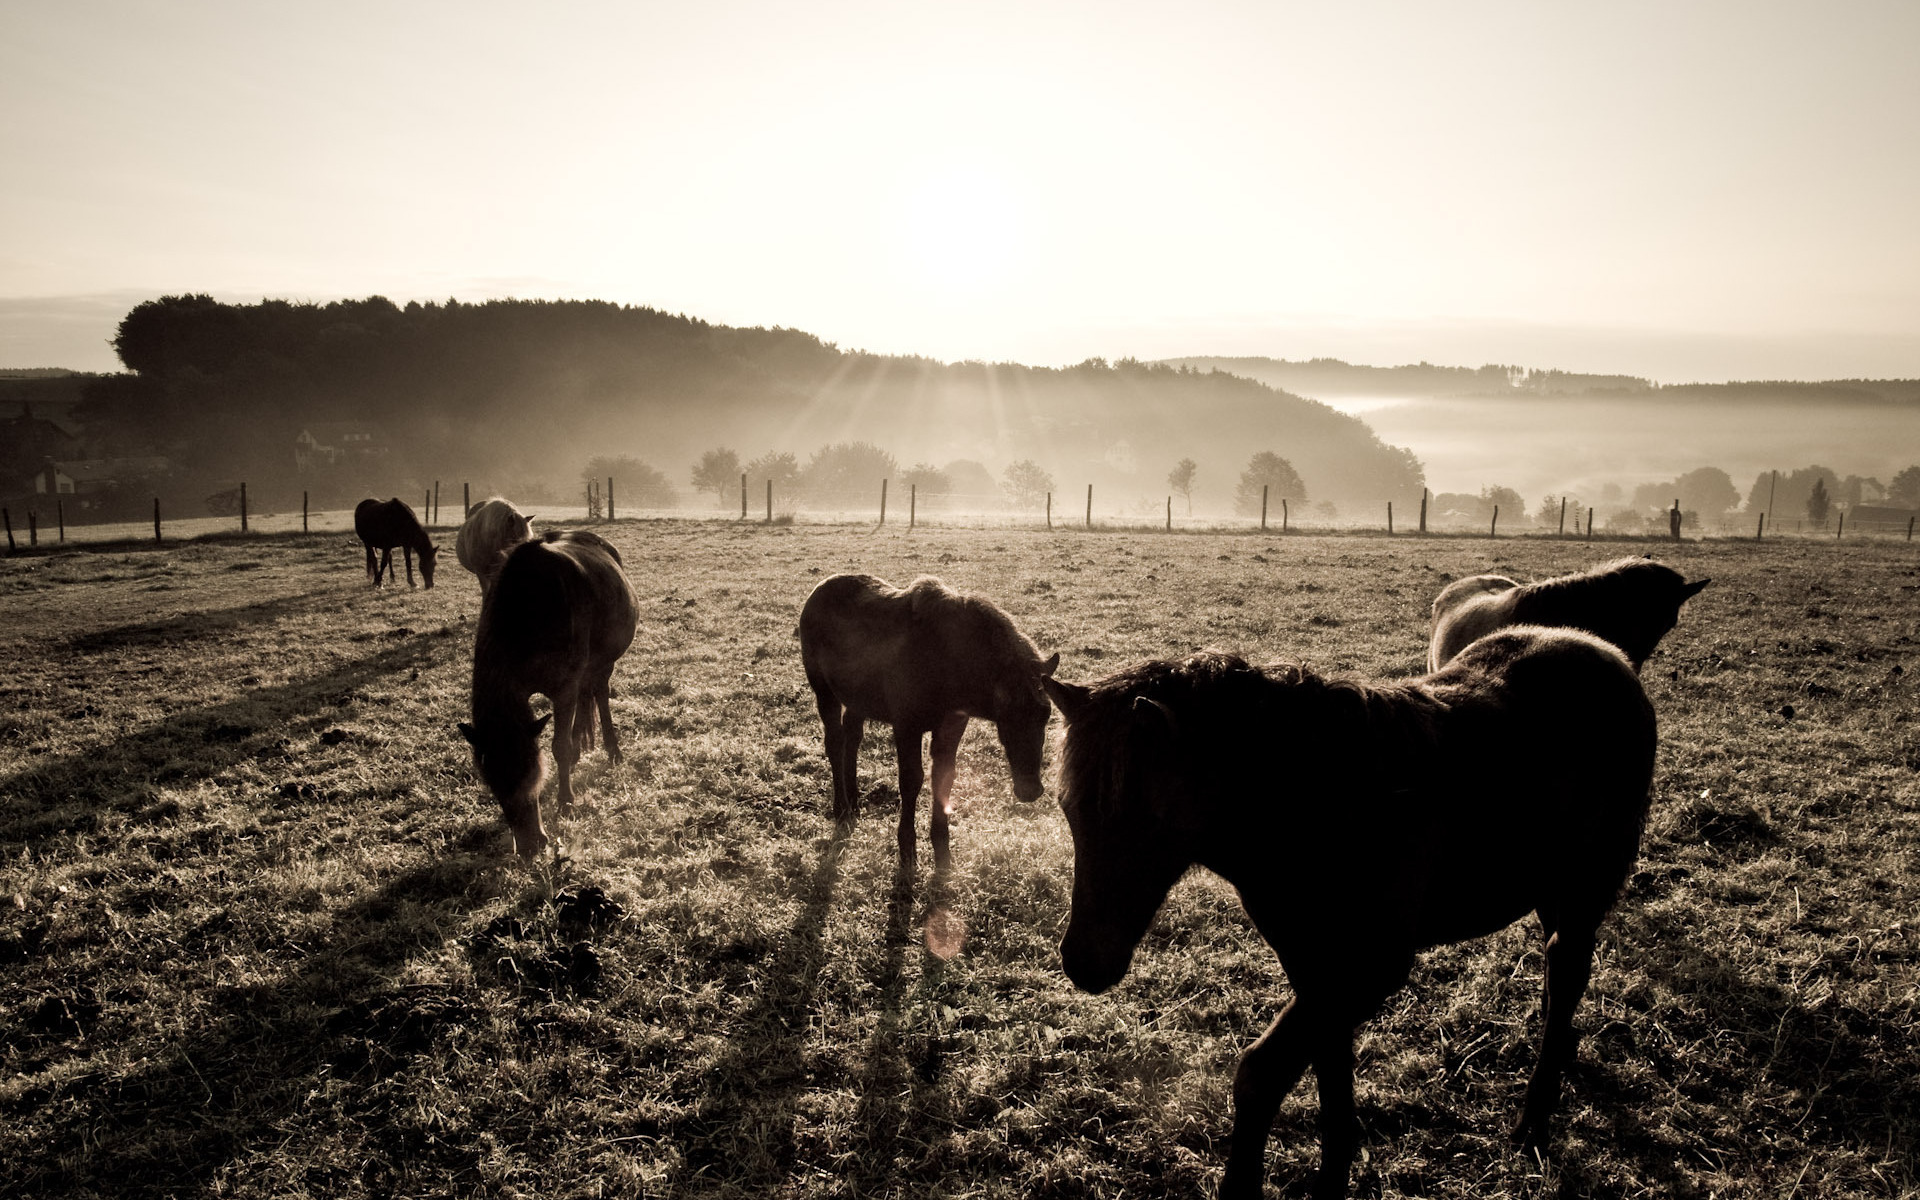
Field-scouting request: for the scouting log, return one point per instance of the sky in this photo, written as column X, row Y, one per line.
column 1685, row 192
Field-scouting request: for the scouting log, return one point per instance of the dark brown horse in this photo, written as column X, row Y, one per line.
column 560, row 614
column 1631, row 602
column 925, row 659
column 384, row 524
column 1361, row 824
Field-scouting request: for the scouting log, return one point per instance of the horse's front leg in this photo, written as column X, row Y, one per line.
column 1339, row 1128
column 406, row 555
column 565, row 752
column 1267, row 1072
column 906, row 744
column 946, row 753
column 1569, row 965
column 373, row 571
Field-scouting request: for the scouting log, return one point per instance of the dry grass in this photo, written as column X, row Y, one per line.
column 263, row 935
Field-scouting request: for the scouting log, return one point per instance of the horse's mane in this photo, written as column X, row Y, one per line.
column 1622, row 572
column 1211, row 698
column 931, row 598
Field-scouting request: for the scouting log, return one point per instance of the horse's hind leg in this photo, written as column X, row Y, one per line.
column 566, row 752
column 1339, row 1129
column 372, row 570
column 385, row 567
column 603, row 697
column 1569, row 966
column 912, row 775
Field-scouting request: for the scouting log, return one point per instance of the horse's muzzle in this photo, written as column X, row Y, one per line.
column 1091, row 970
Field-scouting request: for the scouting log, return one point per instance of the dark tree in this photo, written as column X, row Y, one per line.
column 1026, row 485
column 1818, row 502
column 1180, row 479
column 718, row 471
column 1267, row 470
column 1904, row 491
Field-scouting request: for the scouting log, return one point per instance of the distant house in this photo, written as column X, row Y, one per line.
column 28, row 440
column 329, row 443
column 92, row 476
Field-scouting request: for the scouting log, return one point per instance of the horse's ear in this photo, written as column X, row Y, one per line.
column 1689, row 591
column 466, row 731
column 1147, row 709
column 1048, row 667
column 1070, row 698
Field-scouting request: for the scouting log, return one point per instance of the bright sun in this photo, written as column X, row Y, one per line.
column 962, row 230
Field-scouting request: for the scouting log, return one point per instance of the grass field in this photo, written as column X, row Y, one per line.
column 263, row 933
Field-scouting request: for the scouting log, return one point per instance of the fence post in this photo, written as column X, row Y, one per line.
column 436, row 502
column 243, row 506
column 1049, row 510
column 1169, row 514
column 883, row 502
column 1563, row 517
column 913, row 504
column 303, row 513
column 60, row 514
column 466, row 501
column 609, row 497
column 1389, row 518
column 1760, row 527
column 769, row 501
column 1493, row 530
column 743, row 494
column 426, row 505
column 156, row 519
column 1089, row 506
column 33, row 528
column 1589, row 524
column 1423, row 510
column 8, row 517
column 1283, row 514
column 1263, row 508
column 1909, row 528
column 1841, row 527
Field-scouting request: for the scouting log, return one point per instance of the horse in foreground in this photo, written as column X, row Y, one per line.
column 1360, row 826
column 383, row 524
column 1631, row 602
column 559, row 617
column 491, row 530
column 925, row 659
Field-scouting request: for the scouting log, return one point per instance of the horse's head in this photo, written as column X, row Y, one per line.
column 1022, row 725
column 1120, row 781
column 506, row 753
column 428, row 554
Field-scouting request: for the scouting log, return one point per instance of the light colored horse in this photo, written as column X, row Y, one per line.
column 493, row 528
column 1630, row 602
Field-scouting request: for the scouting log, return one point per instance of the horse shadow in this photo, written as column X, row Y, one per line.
column 200, row 626
column 55, row 796
column 220, row 1091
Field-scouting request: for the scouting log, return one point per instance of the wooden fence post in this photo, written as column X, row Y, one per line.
column 436, row 502
column 156, row 519
column 33, row 528
column 1263, row 508
column 60, row 514
column 1589, row 524
column 1563, row 516
column 466, row 501
column 1089, row 506
column 883, row 502
column 1049, row 510
column 1760, row 527
column 243, row 506
column 769, row 501
column 303, row 513
column 609, row 497
column 1169, row 514
column 1283, row 514
column 1423, row 510
column 743, row 494
column 1389, row 518
column 1841, row 527
column 1909, row 528
column 8, row 517
column 1493, row 530
column 913, row 504
column 426, row 506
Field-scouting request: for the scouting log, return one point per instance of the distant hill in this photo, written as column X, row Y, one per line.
column 511, row 390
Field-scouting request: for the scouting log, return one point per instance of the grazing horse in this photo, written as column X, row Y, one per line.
column 1361, row 824
column 560, row 615
column 492, row 529
column 1631, row 602
column 925, row 659
column 383, row 524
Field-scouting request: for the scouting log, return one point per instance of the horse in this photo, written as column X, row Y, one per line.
column 491, row 529
column 1360, row 824
column 925, row 659
column 383, row 524
column 560, row 615
column 1631, row 602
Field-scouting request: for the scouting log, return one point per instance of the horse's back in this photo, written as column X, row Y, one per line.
column 1467, row 609
column 386, row 523
column 493, row 528
column 558, row 605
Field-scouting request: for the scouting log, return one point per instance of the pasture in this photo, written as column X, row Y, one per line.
column 262, row 933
